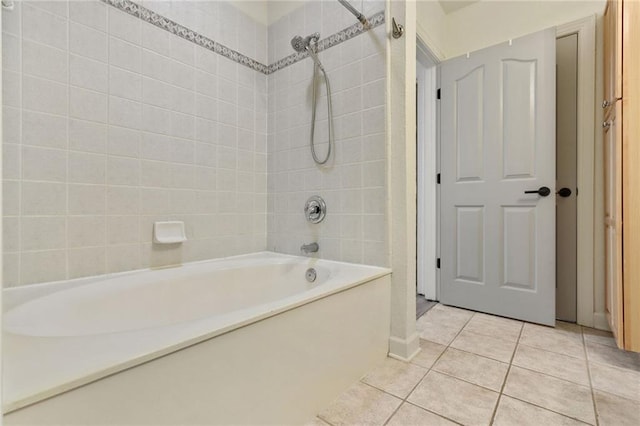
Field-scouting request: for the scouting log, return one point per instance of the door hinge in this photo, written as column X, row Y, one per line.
column 438, row 178
column 438, row 263
column 438, row 94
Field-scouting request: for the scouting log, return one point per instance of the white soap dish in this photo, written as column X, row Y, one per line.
column 169, row 232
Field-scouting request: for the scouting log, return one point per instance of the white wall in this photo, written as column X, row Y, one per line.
column 489, row 22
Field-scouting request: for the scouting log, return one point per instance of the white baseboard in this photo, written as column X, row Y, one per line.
column 600, row 321
column 404, row 349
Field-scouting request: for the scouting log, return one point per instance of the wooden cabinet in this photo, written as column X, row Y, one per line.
column 621, row 132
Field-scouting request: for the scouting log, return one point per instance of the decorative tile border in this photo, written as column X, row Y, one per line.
column 332, row 40
column 160, row 21
column 166, row 24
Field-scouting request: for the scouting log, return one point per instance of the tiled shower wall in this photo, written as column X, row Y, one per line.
column 353, row 182
column 111, row 123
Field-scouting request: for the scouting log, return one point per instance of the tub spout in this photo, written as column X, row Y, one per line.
column 309, row 248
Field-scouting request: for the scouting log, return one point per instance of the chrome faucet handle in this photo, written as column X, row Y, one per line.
column 315, row 209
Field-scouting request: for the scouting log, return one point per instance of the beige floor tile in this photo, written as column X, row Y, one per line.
column 436, row 332
column 451, row 314
column 409, row 414
column 556, row 339
column 615, row 357
column 429, row 353
column 553, row 364
column 473, row 368
column 618, row 381
column 455, row 399
column 489, row 325
column 616, row 411
column 599, row 336
column 512, row 412
column 361, row 404
column 442, row 323
column 395, row 377
column 551, row 393
column 491, row 347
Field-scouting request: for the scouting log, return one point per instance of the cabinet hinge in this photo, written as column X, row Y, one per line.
column 438, row 178
column 438, row 263
column 438, row 94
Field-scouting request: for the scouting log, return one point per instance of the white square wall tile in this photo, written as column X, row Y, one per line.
column 87, row 199
column 87, row 168
column 43, row 198
column 123, row 142
column 87, row 136
column 88, row 42
column 85, row 262
column 43, row 164
column 125, row 113
column 43, row 27
column 123, row 171
column 123, row 200
column 43, row 266
column 125, row 55
column 44, row 61
column 43, row 130
column 90, row 13
column 125, row 26
column 88, row 73
column 87, row 105
column 44, row 95
column 43, row 233
column 125, row 84
column 85, row 231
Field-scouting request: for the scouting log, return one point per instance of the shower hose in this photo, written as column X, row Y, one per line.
column 313, row 114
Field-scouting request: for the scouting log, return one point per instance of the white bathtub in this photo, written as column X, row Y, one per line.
column 235, row 340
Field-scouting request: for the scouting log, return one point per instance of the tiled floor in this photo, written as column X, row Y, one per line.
column 477, row 369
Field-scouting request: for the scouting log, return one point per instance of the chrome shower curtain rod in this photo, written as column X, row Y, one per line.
column 358, row 15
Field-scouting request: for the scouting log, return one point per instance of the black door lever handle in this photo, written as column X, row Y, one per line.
column 543, row 191
column 564, row 192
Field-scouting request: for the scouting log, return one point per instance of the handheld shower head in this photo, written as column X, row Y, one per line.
column 298, row 44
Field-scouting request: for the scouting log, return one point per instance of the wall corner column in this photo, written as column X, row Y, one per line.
column 404, row 342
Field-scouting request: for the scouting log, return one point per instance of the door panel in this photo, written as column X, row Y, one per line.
column 470, row 256
column 519, row 252
column 498, row 141
column 518, row 118
column 468, row 123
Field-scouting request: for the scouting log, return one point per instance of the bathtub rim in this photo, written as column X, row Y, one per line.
column 12, row 404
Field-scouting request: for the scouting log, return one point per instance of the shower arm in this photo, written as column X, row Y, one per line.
column 357, row 14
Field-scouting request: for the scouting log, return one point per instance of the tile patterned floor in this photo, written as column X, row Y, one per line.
column 477, row 369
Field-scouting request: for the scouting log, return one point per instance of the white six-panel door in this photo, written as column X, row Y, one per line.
column 498, row 141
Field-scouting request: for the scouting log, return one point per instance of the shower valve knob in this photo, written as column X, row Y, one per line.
column 315, row 209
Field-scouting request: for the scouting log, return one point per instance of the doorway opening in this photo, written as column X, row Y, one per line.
column 582, row 298
column 426, row 166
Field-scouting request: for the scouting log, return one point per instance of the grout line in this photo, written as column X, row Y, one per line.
column 425, row 375
column 593, row 396
column 504, row 382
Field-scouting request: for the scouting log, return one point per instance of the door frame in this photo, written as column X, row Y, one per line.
column 588, row 267
column 585, row 29
column 427, row 164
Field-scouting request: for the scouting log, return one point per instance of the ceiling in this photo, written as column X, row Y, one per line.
column 452, row 5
